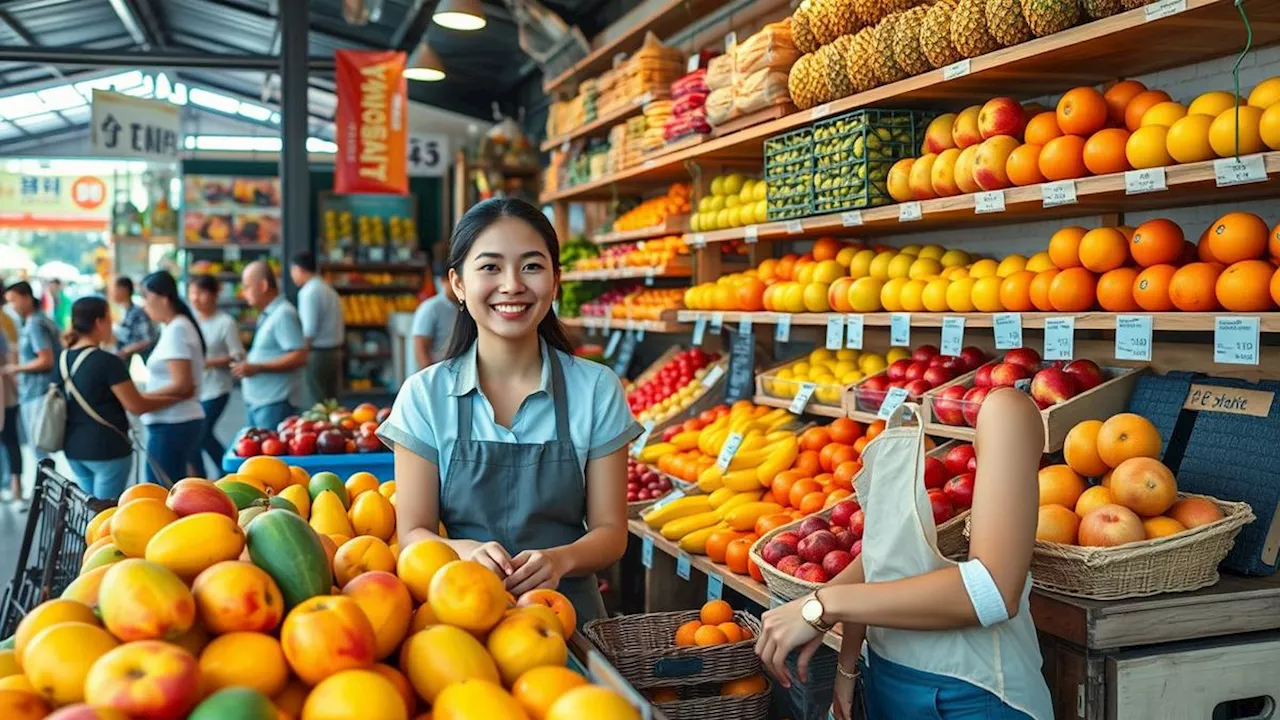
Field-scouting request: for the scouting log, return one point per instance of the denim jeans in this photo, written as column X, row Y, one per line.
column 9, row 439
column 173, row 446
column 898, row 692
column 209, row 442
column 267, row 417
column 103, row 479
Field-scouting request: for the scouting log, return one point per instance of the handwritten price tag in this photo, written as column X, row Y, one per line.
column 1059, row 338
column 988, row 202
column 1163, row 9
column 820, row 112
column 835, row 333
column 1138, row 182
column 682, row 566
column 640, row 442
column 956, row 70
column 1235, row 340
column 1133, row 337
column 717, row 322
column 1239, row 170
column 667, row 499
column 715, row 587
column 712, row 376
column 699, row 241
column 910, row 211
column 794, row 227
column 900, row 329
column 1058, row 193
column 730, row 448
column 853, row 332
column 952, row 336
column 801, row 400
column 852, row 218
column 692, row 65
column 782, row 333
column 751, row 234
column 646, row 553
column 1008, row 330
column 744, row 326
column 699, row 329
column 892, row 399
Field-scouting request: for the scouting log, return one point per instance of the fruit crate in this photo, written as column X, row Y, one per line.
column 790, row 196
column 642, row 648
column 862, row 403
column 381, row 464
column 1097, row 403
column 827, row 399
column 853, row 153
column 697, row 702
column 788, row 153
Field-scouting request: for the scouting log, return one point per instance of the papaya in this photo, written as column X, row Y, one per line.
column 242, row 494
column 283, row 545
column 322, row 481
column 275, row 502
column 235, row 702
column 328, row 516
column 196, row 542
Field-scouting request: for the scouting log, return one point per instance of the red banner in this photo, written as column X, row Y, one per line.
column 372, row 123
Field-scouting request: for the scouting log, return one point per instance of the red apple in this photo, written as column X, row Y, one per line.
column 858, row 523
column 811, row 525
column 898, row 369
column 1086, row 374
column 194, row 495
column 942, row 510
column 959, row 490
column 1026, row 357
column 856, row 550
column 812, row 572
column 982, row 378
column 972, row 357
column 836, row 561
column 842, row 511
column 774, row 551
column 304, row 443
column 1110, row 525
column 787, row 536
column 1052, row 386
column 947, row 406
column 916, row 388
column 1007, row 374
column 272, row 446
column 916, row 370
column 248, row 447
column 844, row 536
column 940, row 375
column 935, row 473
column 1001, row 116
column 878, row 383
column 671, row 432
column 958, row 458
column 789, row 564
column 816, row 546
column 924, row 353
column 972, row 403
column 956, row 365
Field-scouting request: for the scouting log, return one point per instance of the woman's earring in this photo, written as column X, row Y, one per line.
column 462, row 306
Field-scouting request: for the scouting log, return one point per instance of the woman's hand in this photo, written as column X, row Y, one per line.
column 785, row 630
column 493, row 556
column 842, row 698
column 534, row 569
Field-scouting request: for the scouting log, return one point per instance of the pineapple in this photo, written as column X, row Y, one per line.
column 969, row 29
column 1134, row 4
column 935, row 34
column 906, row 42
column 1047, row 17
column 871, row 12
column 882, row 37
column 832, row 61
column 1005, row 22
column 829, row 19
column 860, row 60
column 801, row 34
column 807, row 82
column 1098, row 9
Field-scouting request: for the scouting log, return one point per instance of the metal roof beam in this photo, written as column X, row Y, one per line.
column 27, row 38
column 132, row 25
column 77, row 57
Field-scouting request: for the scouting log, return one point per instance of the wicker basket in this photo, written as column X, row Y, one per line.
column 699, row 702
column 952, row 540
column 780, row 584
column 642, row 648
column 1177, row 563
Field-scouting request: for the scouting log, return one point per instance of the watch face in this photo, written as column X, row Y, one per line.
column 812, row 610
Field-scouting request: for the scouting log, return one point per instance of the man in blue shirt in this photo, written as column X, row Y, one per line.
column 135, row 334
column 320, row 310
column 38, row 344
column 272, row 372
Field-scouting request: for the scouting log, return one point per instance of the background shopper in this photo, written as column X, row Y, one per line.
column 38, row 345
column 320, row 310
column 223, row 347
column 9, row 433
column 272, row 372
column 176, row 367
column 136, row 334
column 433, row 326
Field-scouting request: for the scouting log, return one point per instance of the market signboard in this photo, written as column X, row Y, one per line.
column 55, row 202
column 428, row 154
column 372, row 123
column 125, row 126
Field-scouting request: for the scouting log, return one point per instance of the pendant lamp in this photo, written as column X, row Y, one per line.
column 466, row 15
column 427, row 67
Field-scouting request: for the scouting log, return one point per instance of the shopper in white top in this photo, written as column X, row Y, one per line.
column 948, row 640
column 175, row 368
column 320, row 310
column 222, row 347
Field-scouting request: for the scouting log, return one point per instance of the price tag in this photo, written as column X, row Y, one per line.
column 692, row 65
column 835, row 332
column 682, row 566
column 612, row 347
column 232, row 253
column 714, row 374
column 649, row 276
column 640, row 333
column 377, row 254
column 900, row 330
column 801, row 400
column 717, row 322
column 730, row 41
column 638, row 445
column 744, row 325
column 892, row 399
column 667, row 499
column 751, row 234
column 1008, row 330
column 564, row 146
column 909, row 211
column 619, row 58
column 956, row 70
column 952, row 336
column 647, row 164
column 820, row 112
column 988, row 202
column 699, row 329
column 1059, row 338
column 782, row 333
column 1058, row 193
column 646, row 553
column 715, row 587
column 853, row 332
column 1235, row 340
column 794, row 227
column 852, row 218
column 730, row 448
column 699, row 241
column 1240, row 170
column 592, row 330
column 1138, row 182
column 1164, row 9
column 1133, row 337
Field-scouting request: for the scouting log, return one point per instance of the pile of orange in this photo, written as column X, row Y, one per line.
column 822, row 475
column 715, row 626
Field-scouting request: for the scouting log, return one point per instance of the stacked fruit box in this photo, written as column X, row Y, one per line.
column 853, row 153
column 788, row 170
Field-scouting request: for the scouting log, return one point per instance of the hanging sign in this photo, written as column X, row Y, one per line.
column 371, row 123
column 126, row 126
column 428, row 155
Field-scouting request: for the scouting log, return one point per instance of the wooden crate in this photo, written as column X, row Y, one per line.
column 1098, row 403
column 827, row 406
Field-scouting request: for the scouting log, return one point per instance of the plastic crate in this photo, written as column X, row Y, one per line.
column 381, row 464
column 853, row 153
column 788, row 153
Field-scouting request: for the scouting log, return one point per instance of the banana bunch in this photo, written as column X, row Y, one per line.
column 691, row 521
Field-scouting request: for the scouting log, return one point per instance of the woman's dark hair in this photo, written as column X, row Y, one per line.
column 85, row 313
column 162, row 283
column 207, row 283
column 124, row 283
column 477, row 220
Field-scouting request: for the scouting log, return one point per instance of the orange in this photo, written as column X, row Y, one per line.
column 685, row 633
column 800, row 489
column 1139, row 104
column 1104, row 151
column 1039, row 289
column 1073, row 290
column 808, row 464
column 1151, row 288
column 1237, row 236
column 1144, row 485
column 1245, row 286
column 1157, row 242
column 538, row 689
column 468, row 595
column 1060, row 485
column 753, row 571
column 1062, row 158
column 815, row 438
column 249, row 659
column 874, row 429
column 1015, row 291
column 272, row 472
column 842, row 478
column 751, row 295
column 1126, row 436
column 1094, row 498
column 709, row 635
column 140, row 491
column 134, row 524
column 362, row 693
column 826, row 455
column 593, row 702
column 361, row 482
column 844, row 430
column 1275, row 291
column 1080, row 449
column 1118, row 97
column 1273, row 243
column 1148, row 147
column 1161, row 526
column 860, row 445
column 767, row 523
column 419, row 563
column 1022, row 165
column 1057, row 524
column 1115, row 290
column 732, row 631
column 1192, row 287
column 813, row 502
column 736, row 555
column 753, row 685
column 716, row 612
column 361, row 555
column 1064, row 246
column 767, row 270
column 1042, row 128
column 719, row 542
column 825, row 249
column 1103, row 249
column 1082, row 111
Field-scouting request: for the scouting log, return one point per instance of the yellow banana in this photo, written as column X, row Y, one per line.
column 680, row 527
column 711, row 482
column 744, row 517
column 720, row 497
column 779, row 460
column 742, row 480
column 651, row 453
column 687, row 440
column 676, row 509
column 738, row 500
column 696, row 541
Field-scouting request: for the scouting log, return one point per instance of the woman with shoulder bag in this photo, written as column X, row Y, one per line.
column 98, row 448
column 945, row 640
column 176, row 369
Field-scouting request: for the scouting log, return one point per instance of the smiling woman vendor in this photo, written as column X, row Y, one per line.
column 518, row 447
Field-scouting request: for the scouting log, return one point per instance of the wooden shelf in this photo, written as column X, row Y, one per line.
column 812, row 408
column 406, row 266
column 602, row 124
column 1084, row 55
column 675, row 225
column 656, row 326
column 224, row 245
column 1268, row 322
column 666, row 271
column 377, row 289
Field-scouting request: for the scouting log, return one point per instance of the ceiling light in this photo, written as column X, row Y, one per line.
column 427, row 67
column 459, row 15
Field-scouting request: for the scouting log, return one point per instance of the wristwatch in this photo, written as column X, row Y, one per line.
column 812, row 612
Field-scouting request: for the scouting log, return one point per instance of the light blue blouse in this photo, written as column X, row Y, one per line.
column 424, row 418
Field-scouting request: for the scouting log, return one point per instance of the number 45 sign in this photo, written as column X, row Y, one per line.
column 428, row 155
